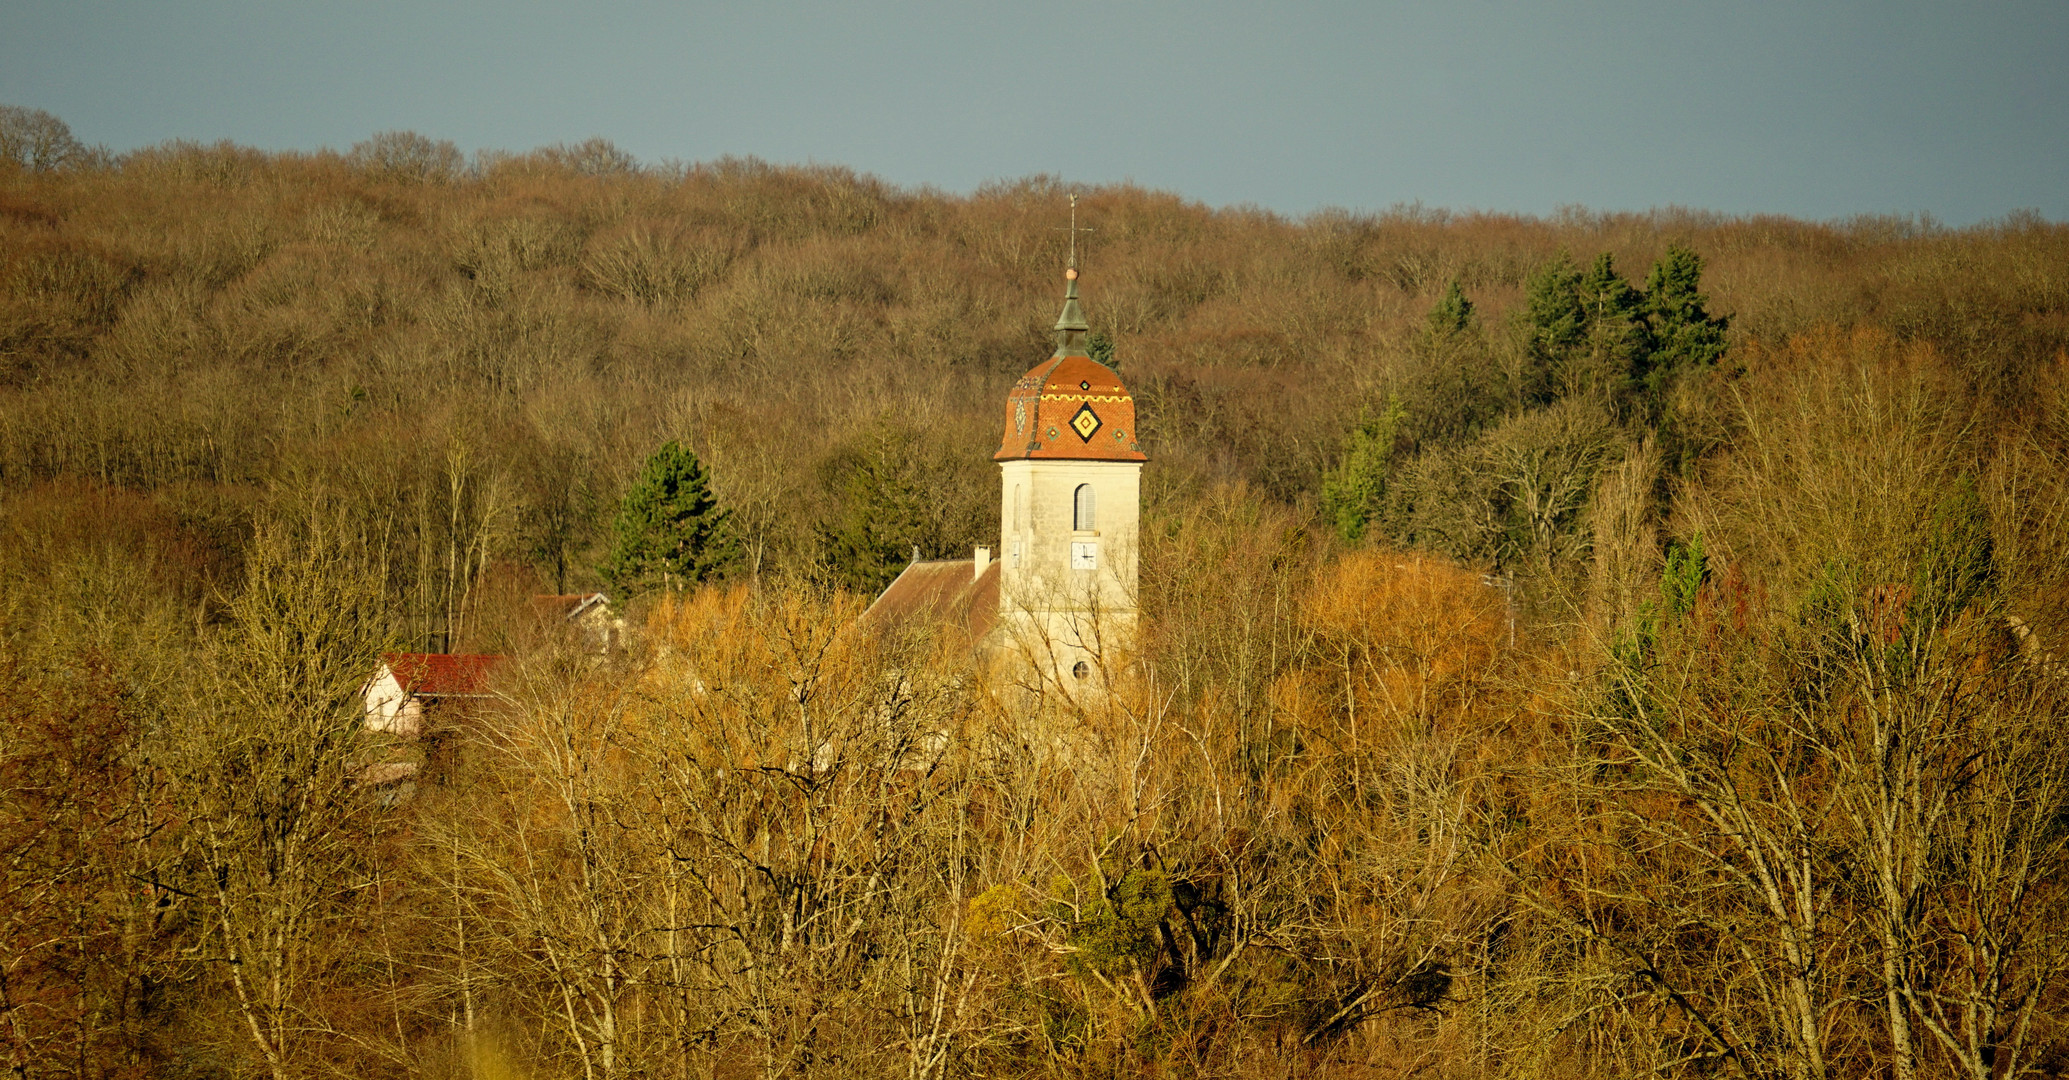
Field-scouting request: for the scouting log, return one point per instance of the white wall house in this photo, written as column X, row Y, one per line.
column 405, row 683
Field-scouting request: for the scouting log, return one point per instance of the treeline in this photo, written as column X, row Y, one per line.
column 485, row 352
column 1546, row 671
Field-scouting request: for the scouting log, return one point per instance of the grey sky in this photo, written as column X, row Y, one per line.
column 1811, row 109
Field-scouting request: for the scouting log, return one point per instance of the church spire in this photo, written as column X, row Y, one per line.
column 1071, row 328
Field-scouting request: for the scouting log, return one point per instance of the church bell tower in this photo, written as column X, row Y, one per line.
column 1070, row 474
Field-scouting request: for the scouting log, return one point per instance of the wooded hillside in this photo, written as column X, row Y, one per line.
column 1595, row 646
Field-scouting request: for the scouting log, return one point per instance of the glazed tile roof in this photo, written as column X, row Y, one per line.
column 1070, row 408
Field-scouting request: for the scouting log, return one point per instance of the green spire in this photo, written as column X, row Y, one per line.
column 1071, row 327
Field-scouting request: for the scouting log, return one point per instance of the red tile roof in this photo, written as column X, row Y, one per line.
column 441, row 674
column 944, row 594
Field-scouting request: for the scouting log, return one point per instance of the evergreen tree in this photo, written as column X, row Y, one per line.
column 1618, row 338
column 880, row 520
column 1555, row 326
column 1456, row 388
column 1609, row 299
column 1101, row 348
column 1354, row 492
column 1684, row 334
column 1452, row 316
column 669, row 531
column 1956, row 560
column 896, row 488
column 1585, row 334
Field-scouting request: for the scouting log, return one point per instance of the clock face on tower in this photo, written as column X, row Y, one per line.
column 1085, row 422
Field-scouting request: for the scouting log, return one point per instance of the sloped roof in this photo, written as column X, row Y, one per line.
column 567, row 605
column 441, row 674
column 944, row 594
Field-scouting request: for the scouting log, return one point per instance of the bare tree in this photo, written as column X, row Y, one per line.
column 408, row 157
column 36, row 140
column 811, row 792
column 563, row 859
column 266, row 758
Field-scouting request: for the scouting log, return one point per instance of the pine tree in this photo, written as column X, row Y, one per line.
column 1584, row 333
column 1101, row 349
column 1684, row 334
column 895, row 487
column 881, row 520
column 1452, row 316
column 1618, row 338
column 891, row 495
column 1456, row 388
column 1555, row 325
column 1610, row 299
column 670, row 532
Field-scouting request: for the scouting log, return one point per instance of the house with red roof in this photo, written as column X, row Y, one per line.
column 407, row 683
column 585, row 614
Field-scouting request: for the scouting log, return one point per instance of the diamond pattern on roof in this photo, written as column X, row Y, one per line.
column 1085, row 422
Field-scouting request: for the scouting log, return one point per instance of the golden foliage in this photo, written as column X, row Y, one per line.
column 1349, row 812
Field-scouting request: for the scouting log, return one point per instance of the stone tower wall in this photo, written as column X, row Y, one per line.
column 1044, row 599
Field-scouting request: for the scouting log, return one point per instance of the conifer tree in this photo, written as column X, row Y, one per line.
column 881, row 522
column 1618, row 339
column 670, row 531
column 894, row 489
column 1585, row 333
column 1684, row 334
column 1456, row 389
column 1354, row 492
column 1101, row 349
column 1609, row 299
column 1452, row 316
column 1555, row 325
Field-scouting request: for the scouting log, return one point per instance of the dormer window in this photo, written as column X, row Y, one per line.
column 1081, row 509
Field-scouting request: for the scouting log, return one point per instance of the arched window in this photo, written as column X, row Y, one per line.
column 1081, row 513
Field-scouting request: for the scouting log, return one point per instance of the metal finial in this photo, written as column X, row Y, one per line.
column 1073, row 234
column 1072, row 271
column 1071, row 328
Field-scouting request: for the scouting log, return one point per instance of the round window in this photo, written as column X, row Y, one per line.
column 1082, row 670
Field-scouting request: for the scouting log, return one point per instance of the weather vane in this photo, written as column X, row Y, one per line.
column 1072, row 272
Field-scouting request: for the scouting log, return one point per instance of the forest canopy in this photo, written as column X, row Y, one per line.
column 1598, row 645
column 487, row 350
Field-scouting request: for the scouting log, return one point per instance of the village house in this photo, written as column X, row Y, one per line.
column 588, row 615
column 406, row 684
